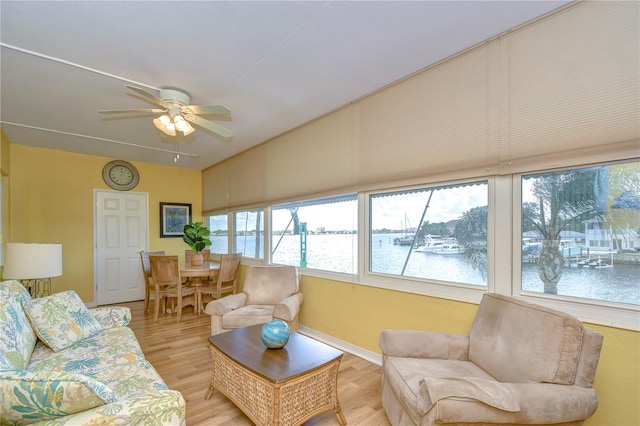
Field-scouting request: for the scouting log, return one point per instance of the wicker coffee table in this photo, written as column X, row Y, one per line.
column 275, row 386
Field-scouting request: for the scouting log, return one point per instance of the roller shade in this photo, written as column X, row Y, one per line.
column 561, row 91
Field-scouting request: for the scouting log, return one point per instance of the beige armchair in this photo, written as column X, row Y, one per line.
column 520, row 364
column 269, row 292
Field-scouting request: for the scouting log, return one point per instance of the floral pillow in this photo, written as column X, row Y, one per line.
column 60, row 320
column 31, row 396
column 17, row 338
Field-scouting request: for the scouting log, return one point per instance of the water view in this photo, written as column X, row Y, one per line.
column 338, row 252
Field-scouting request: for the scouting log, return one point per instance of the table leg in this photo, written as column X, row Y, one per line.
column 340, row 416
column 210, row 390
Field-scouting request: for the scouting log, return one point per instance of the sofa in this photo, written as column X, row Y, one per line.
column 268, row 292
column 520, row 364
column 64, row 364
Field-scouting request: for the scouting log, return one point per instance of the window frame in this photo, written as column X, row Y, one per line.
column 594, row 311
column 503, row 254
column 347, row 196
column 424, row 286
column 208, row 222
column 265, row 228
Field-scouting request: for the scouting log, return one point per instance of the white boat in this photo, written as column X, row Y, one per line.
column 432, row 244
column 450, row 249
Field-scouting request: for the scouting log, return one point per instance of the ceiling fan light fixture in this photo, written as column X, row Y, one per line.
column 180, row 123
column 189, row 130
column 165, row 125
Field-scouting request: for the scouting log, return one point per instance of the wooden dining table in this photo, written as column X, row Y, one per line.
column 196, row 273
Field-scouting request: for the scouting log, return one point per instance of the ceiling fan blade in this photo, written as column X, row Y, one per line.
column 146, row 94
column 206, row 109
column 209, row 125
column 119, row 111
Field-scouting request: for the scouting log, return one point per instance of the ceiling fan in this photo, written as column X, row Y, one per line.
column 177, row 113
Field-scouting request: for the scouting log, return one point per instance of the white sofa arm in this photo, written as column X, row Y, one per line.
column 226, row 304
column 288, row 308
column 423, row 344
column 112, row 315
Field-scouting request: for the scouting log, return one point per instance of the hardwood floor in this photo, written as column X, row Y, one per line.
column 180, row 353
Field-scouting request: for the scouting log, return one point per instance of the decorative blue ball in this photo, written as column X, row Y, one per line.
column 275, row 334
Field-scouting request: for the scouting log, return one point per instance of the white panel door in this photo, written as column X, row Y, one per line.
column 121, row 233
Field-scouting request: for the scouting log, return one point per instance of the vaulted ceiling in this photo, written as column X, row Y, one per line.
column 276, row 65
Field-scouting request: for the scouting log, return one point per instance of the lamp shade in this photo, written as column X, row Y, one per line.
column 32, row 261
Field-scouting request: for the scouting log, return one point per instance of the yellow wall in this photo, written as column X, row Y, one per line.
column 51, row 201
column 356, row 314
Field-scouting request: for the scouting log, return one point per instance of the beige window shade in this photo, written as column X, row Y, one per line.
column 572, row 81
column 312, row 158
column 215, row 188
column 438, row 120
column 564, row 89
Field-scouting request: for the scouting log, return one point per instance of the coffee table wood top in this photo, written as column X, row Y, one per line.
column 299, row 356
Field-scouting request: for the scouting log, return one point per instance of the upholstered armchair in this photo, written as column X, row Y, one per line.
column 520, row 364
column 269, row 292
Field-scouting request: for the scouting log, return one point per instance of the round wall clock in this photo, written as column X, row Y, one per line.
column 120, row 175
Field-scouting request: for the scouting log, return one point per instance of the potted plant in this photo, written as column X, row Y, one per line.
column 196, row 235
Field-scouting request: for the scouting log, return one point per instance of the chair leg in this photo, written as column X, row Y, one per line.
column 146, row 298
column 179, row 308
column 156, row 306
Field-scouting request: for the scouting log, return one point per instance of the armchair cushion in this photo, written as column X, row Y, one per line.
column 504, row 346
column 268, row 285
column 490, row 392
column 248, row 315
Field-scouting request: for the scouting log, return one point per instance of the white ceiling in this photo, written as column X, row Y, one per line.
column 276, row 65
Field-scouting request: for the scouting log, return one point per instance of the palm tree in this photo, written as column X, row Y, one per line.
column 564, row 200
column 471, row 232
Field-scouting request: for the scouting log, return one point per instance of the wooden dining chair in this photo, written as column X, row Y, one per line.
column 165, row 271
column 146, row 274
column 226, row 280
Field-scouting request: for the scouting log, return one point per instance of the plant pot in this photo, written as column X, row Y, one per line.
column 550, row 265
column 196, row 259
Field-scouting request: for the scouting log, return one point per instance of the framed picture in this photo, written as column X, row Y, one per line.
column 173, row 218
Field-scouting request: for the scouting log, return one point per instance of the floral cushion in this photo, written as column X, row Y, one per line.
column 17, row 338
column 152, row 407
column 60, row 320
column 30, row 396
column 103, row 351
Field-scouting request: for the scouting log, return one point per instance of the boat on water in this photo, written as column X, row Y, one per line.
column 599, row 262
column 450, row 249
column 403, row 241
column 432, row 244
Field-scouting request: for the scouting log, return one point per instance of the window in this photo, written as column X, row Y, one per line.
column 318, row 234
column 437, row 233
column 581, row 233
column 219, row 227
column 248, row 233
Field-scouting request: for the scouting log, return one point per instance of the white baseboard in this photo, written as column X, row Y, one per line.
column 342, row 345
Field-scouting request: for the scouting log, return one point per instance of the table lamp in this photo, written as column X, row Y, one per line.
column 33, row 265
